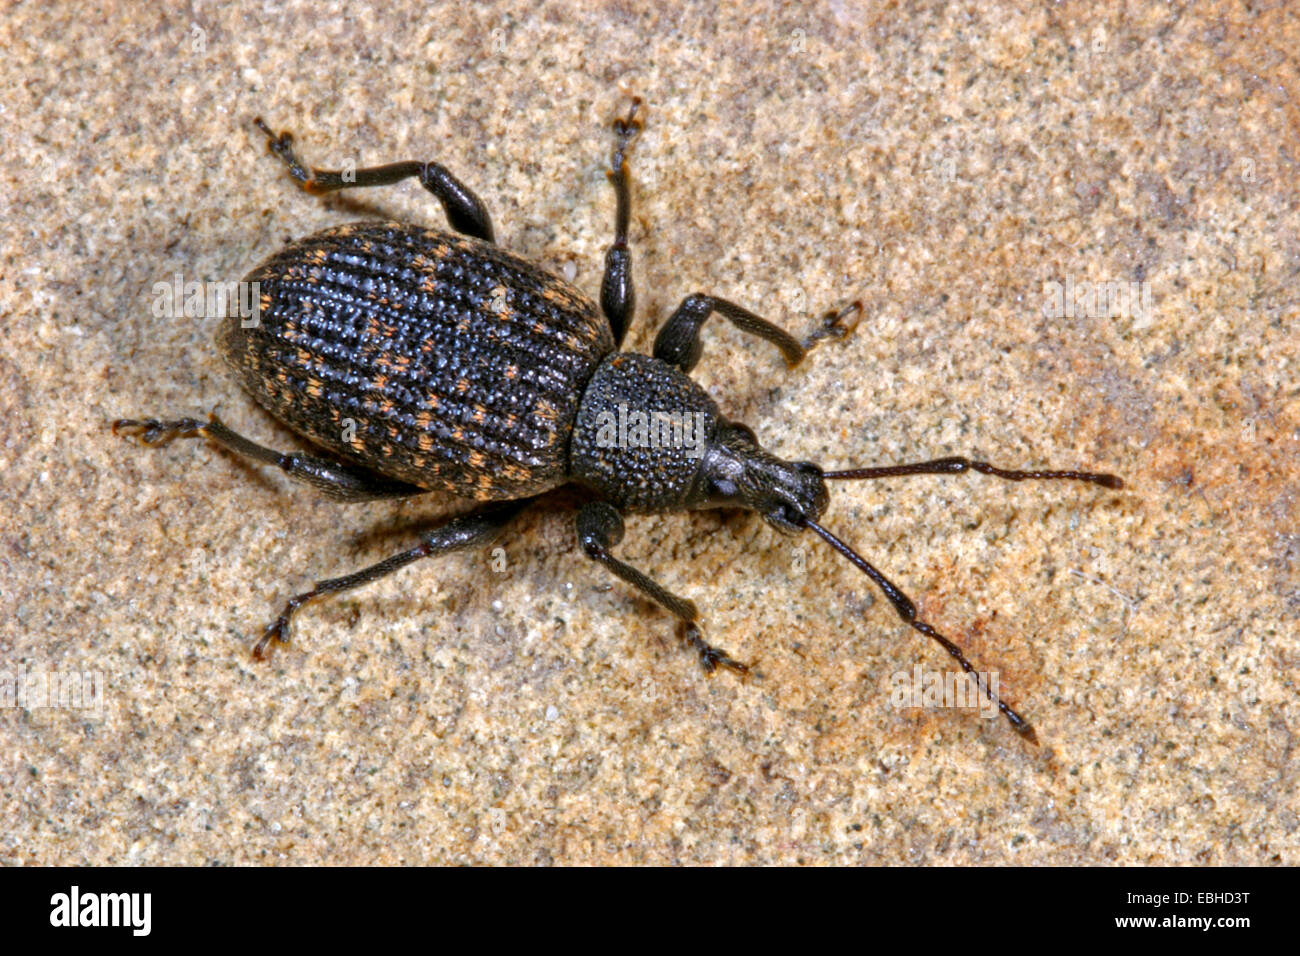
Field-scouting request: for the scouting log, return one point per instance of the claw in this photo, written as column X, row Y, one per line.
column 836, row 325
column 277, row 631
column 626, row 129
column 153, row 432
column 278, row 143
column 281, row 145
column 629, row 125
column 712, row 657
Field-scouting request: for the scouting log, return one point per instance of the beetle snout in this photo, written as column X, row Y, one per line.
column 796, row 491
column 738, row 473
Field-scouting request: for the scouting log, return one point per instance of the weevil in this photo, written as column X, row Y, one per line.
column 425, row 361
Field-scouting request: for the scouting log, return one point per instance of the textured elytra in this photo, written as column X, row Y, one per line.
column 433, row 358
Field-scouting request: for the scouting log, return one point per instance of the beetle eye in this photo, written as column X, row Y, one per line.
column 786, row 518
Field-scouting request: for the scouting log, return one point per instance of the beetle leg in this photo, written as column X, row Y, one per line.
column 600, row 527
column 678, row 342
column 465, row 211
column 338, row 480
column 476, row 528
column 617, row 294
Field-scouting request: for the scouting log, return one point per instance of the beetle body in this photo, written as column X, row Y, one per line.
column 432, row 358
column 430, row 361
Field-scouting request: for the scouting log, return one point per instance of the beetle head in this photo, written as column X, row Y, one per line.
column 738, row 473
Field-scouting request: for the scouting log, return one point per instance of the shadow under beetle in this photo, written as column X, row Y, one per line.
column 427, row 361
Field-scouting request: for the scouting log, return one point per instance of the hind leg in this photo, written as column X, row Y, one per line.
column 476, row 528
column 338, row 480
column 465, row 211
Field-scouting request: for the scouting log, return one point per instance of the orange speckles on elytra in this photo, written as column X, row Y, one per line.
column 546, row 412
column 557, row 296
column 426, row 263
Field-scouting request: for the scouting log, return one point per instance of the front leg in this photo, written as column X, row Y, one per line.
column 600, row 528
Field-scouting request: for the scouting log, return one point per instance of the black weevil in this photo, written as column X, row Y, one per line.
column 427, row 361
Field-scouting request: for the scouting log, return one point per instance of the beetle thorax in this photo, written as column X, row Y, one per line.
column 642, row 431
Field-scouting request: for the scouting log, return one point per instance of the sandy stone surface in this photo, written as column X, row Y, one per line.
column 944, row 163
